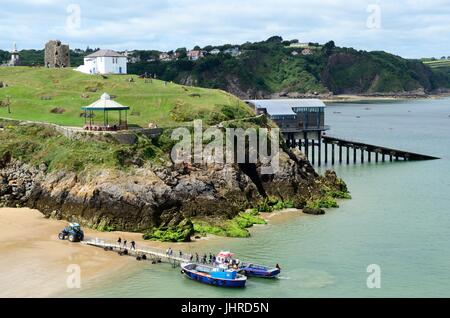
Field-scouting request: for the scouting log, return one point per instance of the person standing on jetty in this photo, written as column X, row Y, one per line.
column 197, row 260
column 133, row 245
column 119, row 241
column 125, row 244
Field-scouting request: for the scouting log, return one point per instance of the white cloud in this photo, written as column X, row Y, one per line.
column 409, row 28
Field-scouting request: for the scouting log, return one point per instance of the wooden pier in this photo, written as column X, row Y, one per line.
column 331, row 149
column 154, row 255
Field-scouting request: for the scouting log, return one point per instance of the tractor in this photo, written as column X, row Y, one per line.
column 73, row 232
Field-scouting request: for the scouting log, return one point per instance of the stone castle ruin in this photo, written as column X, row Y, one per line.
column 57, row 54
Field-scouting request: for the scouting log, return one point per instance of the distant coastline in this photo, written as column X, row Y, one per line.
column 344, row 98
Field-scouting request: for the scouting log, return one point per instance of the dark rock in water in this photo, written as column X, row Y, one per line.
column 313, row 211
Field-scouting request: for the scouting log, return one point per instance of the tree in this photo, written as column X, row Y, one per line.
column 275, row 39
column 197, row 48
column 328, row 48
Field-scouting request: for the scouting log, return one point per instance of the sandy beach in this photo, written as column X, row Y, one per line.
column 34, row 263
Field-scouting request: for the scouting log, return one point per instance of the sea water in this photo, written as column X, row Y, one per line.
column 398, row 222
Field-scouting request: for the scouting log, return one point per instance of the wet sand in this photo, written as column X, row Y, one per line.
column 282, row 216
column 34, row 263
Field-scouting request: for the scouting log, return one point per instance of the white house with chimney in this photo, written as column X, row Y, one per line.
column 104, row 62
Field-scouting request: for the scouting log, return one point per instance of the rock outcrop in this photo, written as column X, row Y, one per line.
column 155, row 197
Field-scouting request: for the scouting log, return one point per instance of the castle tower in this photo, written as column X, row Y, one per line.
column 57, row 54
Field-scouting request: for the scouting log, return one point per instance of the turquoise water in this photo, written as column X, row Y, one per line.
column 399, row 219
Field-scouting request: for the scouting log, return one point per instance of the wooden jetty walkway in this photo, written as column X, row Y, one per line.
column 151, row 254
column 367, row 152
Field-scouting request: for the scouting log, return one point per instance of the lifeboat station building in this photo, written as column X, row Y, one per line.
column 298, row 119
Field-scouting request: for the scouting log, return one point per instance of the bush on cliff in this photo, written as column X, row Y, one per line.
column 236, row 227
column 271, row 204
column 322, row 203
column 179, row 233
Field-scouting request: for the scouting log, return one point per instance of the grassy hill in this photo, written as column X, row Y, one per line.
column 57, row 95
column 274, row 66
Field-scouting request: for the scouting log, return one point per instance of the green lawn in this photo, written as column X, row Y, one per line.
column 150, row 102
column 438, row 63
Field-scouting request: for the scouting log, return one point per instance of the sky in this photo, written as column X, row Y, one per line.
column 409, row 28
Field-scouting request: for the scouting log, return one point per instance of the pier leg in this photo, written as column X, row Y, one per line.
column 376, row 157
column 332, row 154
column 313, row 146
column 369, row 156
column 383, row 158
column 326, row 152
column 354, row 154
column 390, row 157
column 307, row 148
column 396, row 158
column 348, row 155
column 362, row 155
column 305, row 144
column 319, row 159
column 340, row 153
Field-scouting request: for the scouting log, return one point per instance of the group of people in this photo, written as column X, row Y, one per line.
column 204, row 259
column 124, row 245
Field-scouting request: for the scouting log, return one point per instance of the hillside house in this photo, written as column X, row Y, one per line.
column 164, row 57
column 234, row 51
column 104, row 62
column 307, row 52
column 215, row 52
column 194, row 55
column 299, row 45
column 132, row 57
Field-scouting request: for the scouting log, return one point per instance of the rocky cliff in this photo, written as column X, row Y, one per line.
column 149, row 197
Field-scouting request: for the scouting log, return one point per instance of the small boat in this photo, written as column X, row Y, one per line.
column 216, row 276
column 256, row 270
column 247, row 268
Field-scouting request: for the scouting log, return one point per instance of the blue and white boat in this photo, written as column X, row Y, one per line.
column 247, row 268
column 216, row 276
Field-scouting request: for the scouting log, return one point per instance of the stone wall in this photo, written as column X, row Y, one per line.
column 57, row 54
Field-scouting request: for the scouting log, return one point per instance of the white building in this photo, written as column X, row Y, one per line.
column 215, row 52
column 165, row 57
column 299, row 45
column 104, row 62
column 234, row 51
column 15, row 60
